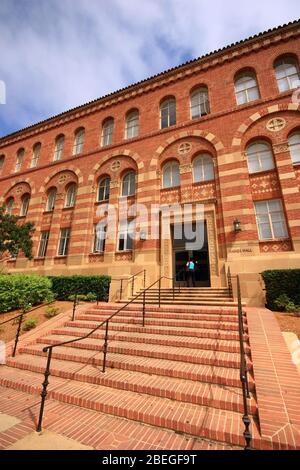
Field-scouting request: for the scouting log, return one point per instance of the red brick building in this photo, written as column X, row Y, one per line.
column 222, row 130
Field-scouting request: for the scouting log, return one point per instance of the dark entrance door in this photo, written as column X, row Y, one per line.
column 201, row 257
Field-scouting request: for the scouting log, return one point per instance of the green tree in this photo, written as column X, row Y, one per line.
column 15, row 237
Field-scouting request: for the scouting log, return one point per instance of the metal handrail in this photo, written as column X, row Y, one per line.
column 128, row 279
column 20, row 317
column 243, row 370
column 229, row 282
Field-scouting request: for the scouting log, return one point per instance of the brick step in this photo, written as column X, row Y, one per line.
column 187, row 418
column 164, row 339
column 156, row 330
column 200, row 393
column 167, row 309
column 210, row 323
column 200, row 356
column 163, row 367
column 203, row 302
column 186, row 295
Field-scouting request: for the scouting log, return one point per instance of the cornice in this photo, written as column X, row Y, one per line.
column 226, row 54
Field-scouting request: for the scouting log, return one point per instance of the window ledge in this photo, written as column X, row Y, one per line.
column 263, row 172
column 275, row 240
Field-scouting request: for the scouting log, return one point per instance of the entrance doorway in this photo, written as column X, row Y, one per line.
column 181, row 256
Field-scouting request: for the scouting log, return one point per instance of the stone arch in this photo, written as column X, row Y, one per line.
column 21, row 186
column 211, row 138
column 69, row 169
column 238, row 136
column 118, row 153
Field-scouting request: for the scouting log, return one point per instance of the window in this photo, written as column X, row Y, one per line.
column 126, row 236
column 107, row 132
column 51, row 199
column 171, row 176
column 270, row 220
column 99, row 238
column 79, row 141
column 128, row 184
column 203, row 169
column 103, row 189
column 246, row 88
column 24, row 205
column 64, row 240
column 132, row 125
column 199, row 103
column 2, row 159
column 59, row 147
column 260, row 157
column 294, row 145
column 287, row 73
column 20, row 158
column 43, row 244
column 10, row 205
column 35, row 155
column 71, row 195
column 168, row 113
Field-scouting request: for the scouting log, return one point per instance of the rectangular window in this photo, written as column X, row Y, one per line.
column 126, row 236
column 43, row 244
column 99, row 238
column 63, row 246
column 270, row 220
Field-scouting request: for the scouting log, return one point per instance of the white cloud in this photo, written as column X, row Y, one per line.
column 59, row 54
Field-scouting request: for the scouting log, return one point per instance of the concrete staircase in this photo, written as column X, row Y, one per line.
column 180, row 372
column 189, row 296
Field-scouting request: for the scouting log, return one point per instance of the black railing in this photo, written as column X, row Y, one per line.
column 132, row 279
column 229, row 283
column 19, row 318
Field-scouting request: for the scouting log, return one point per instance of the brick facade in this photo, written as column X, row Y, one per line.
column 224, row 133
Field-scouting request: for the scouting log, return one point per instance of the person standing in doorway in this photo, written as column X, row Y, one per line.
column 190, row 273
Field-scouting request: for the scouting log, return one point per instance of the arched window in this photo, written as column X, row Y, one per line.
column 199, row 103
column 107, row 132
column 203, row 168
column 132, row 124
column 287, row 73
column 36, row 154
column 171, row 175
column 71, row 195
column 103, row 189
column 20, row 158
column 59, row 147
column 246, row 88
column 79, row 141
column 10, row 205
column 294, row 146
column 51, row 199
column 128, row 184
column 2, row 159
column 24, row 205
column 168, row 113
column 260, row 157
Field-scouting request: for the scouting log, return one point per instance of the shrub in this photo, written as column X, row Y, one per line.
column 29, row 325
column 64, row 287
column 91, row 297
column 23, row 291
column 282, row 301
column 51, row 312
column 279, row 282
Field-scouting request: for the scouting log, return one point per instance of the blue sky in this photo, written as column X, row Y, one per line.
column 58, row 54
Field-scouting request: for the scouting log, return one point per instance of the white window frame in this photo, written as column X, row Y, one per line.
column 79, row 141
column 285, row 82
column 131, row 184
column 107, row 132
column 59, row 148
column 36, row 151
column 71, row 196
column 24, row 205
column 171, row 166
column 168, row 111
column 43, row 245
column 294, row 147
column 64, row 242
column 126, row 228
column 51, row 200
column 104, row 184
column 99, row 239
column 19, row 161
column 205, row 165
column 247, row 81
column 256, row 156
column 269, row 215
column 132, row 125
column 199, row 103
